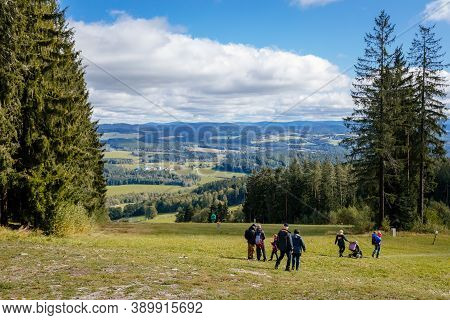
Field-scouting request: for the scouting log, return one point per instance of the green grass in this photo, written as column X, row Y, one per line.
column 210, row 175
column 164, row 218
column 206, row 175
column 119, row 155
column 235, row 208
column 143, row 188
column 160, row 218
column 198, row 261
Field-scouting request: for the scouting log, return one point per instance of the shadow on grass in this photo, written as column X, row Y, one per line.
column 233, row 258
column 327, row 255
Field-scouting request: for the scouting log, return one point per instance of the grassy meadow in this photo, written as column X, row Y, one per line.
column 203, row 169
column 120, row 155
column 143, row 188
column 159, row 259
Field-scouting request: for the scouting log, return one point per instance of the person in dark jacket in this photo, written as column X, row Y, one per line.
column 250, row 235
column 259, row 240
column 298, row 245
column 284, row 244
column 340, row 241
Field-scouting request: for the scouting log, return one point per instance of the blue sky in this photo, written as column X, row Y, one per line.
column 327, row 29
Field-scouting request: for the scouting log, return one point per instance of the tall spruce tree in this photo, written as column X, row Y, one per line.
column 426, row 58
column 403, row 172
column 10, row 84
column 58, row 161
column 371, row 121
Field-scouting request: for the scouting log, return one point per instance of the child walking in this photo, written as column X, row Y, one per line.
column 259, row 239
column 298, row 245
column 340, row 241
column 274, row 247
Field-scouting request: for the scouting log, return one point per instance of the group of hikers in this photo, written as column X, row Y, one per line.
column 292, row 245
column 286, row 244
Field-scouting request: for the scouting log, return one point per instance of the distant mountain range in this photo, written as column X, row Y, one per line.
column 306, row 135
column 317, row 127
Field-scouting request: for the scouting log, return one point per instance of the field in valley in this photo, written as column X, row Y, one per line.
column 159, row 259
column 204, row 170
column 143, row 188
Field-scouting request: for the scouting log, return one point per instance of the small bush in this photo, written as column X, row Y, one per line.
column 201, row 216
column 237, row 216
column 386, row 224
column 115, row 213
column 428, row 227
column 151, row 212
column 70, row 219
column 364, row 220
column 360, row 218
column 345, row 215
column 438, row 213
column 333, row 217
column 180, row 215
column 437, row 218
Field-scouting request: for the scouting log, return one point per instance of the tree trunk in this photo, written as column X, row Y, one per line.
column 408, row 165
column 3, row 206
column 381, row 190
column 421, row 187
column 286, row 207
column 446, row 194
column 422, row 141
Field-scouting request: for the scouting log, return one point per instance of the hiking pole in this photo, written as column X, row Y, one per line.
column 435, row 235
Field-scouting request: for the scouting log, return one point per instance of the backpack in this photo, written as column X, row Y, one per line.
column 297, row 243
column 282, row 241
column 247, row 234
column 258, row 238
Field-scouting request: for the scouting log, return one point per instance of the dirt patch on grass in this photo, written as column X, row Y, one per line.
column 255, row 273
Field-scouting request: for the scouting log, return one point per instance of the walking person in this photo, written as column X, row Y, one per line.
column 259, row 240
column 284, row 244
column 274, row 248
column 298, row 245
column 340, row 241
column 376, row 241
column 250, row 235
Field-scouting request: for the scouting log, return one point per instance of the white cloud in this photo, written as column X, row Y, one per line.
column 310, row 3
column 438, row 10
column 446, row 100
column 198, row 79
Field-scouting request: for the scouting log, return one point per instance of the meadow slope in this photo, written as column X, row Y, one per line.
column 146, row 260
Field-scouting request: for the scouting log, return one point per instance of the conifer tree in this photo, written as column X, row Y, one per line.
column 57, row 161
column 370, row 123
column 188, row 213
column 426, row 58
column 402, row 174
column 328, row 189
column 10, row 84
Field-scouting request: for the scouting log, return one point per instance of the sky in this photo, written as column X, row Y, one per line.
column 232, row 60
